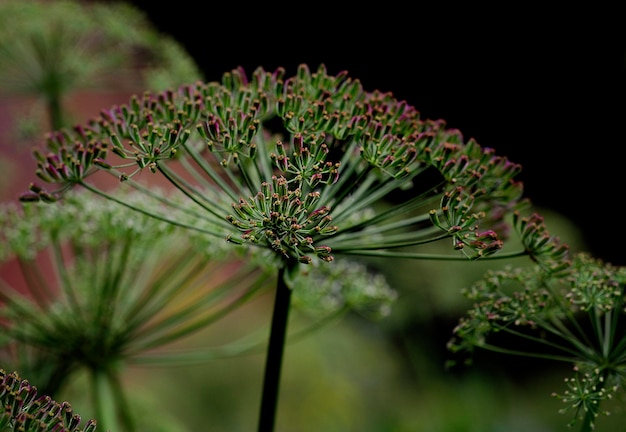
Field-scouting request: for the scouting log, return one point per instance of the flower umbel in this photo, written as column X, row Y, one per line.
column 573, row 315
column 302, row 160
column 279, row 217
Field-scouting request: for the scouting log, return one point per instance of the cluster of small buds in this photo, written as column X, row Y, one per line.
column 328, row 139
column 346, row 285
column 461, row 223
column 391, row 154
column 308, row 162
column 548, row 309
column 585, row 392
column 284, row 220
column 22, row 409
column 67, row 162
column 542, row 247
column 596, row 286
column 28, row 229
column 17, row 238
column 496, row 308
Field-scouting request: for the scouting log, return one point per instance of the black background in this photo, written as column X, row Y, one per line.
column 544, row 88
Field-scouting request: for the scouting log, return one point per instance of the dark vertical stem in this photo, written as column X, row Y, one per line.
column 588, row 422
column 271, row 382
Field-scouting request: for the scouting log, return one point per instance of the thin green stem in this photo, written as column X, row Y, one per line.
column 146, row 212
column 588, row 422
column 55, row 111
column 188, row 319
column 273, row 363
column 103, row 409
column 120, row 401
column 109, row 400
column 390, row 241
column 429, row 256
column 35, row 281
column 190, row 191
column 208, row 169
column 607, row 339
column 495, row 348
column 65, row 279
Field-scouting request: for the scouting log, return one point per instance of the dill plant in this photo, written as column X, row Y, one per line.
column 300, row 167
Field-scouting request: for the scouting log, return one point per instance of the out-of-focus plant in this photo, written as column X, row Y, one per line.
column 49, row 49
column 99, row 292
column 574, row 316
column 25, row 410
column 301, row 167
column 102, row 290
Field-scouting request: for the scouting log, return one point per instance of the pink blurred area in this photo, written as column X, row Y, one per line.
column 17, row 165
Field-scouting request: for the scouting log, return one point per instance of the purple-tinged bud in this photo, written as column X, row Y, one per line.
column 323, row 252
column 101, row 163
column 310, row 199
column 298, row 143
column 133, row 131
column 305, row 259
column 487, row 235
column 234, row 240
column 318, row 214
column 29, row 197
column 46, row 197
column 90, row 426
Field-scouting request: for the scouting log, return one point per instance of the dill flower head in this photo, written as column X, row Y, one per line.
column 303, row 166
column 574, row 315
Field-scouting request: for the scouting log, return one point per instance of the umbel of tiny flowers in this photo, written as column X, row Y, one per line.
column 575, row 315
column 23, row 409
column 100, row 294
column 300, row 166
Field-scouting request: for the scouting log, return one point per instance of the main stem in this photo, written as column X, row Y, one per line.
column 273, row 362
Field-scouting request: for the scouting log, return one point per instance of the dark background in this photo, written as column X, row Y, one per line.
column 543, row 87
